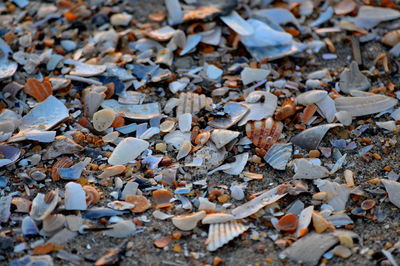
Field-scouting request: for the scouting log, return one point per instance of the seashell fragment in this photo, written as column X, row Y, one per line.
column 175, row 14
column 256, row 204
column 339, row 193
column 304, row 169
column 189, row 221
column 72, row 173
column 184, row 150
column 344, row 117
column 304, row 221
column 87, row 70
column 238, row 24
column 127, row 150
column 103, row 119
column 327, row 108
column 64, row 162
column 40, row 118
column 141, row 203
column 233, row 113
column 288, row 223
column 112, row 171
column 264, row 133
column 93, row 97
column 95, row 213
column 279, row 155
column 121, row 229
column 221, row 137
column 310, row 138
column 311, row 97
column 192, row 103
column 161, row 215
column 344, row 7
column 360, row 106
column 37, row 89
column 29, row 226
column 62, row 145
column 75, row 198
column 9, row 155
column 53, row 223
column 265, row 36
column 185, row 122
column 249, row 75
column 234, row 168
column 134, row 111
column 162, row 198
column 391, row 38
column 120, row 205
column 261, row 104
column 216, row 218
column 353, row 79
column 43, row 205
column 221, row 233
column 5, row 208
column 392, row 188
column 320, row 224
column 92, row 195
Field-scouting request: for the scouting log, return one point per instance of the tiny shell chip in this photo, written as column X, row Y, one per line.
column 141, row 203
column 221, row 233
column 279, row 155
column 87, row 70
column 189, row 221
column 192, row 103
column 127, row 150
column 39, row 90
column 120, row 205
column 103, row 119
column 40, row 117
column 121, row 229
column 75, row 197
column 288, row 223
column 214, row 218
column 7, row 69
column 162, row 198
column 264, row 133
column 43, row 205
column 10, row 154
column 134, row 111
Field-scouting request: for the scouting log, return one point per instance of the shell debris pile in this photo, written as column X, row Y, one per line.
column 199, row 132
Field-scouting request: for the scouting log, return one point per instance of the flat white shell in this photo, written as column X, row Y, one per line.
column 75, row 197
column 127, row 150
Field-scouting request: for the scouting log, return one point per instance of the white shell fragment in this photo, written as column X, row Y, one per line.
column 222, row 233
column 344, row 117
column 214, row 218
column 249, row 75
column 392, row 187
column 327, row 108
column 40, row 118
column 121, row 229
column 234, row 168
column 103, row 119
column 127, row 150
column 221, row 137
column 134, row 111
column 311, row 138
column 279, row 155
column 261, row 104
column 189, row 221
column 256, row 204
column 304, row 169
column 353, row 79
column 265, row 36
column 238, row 24
column 175, row 14
column 304, row 221
column 338, row 193
column 87, row 70
column 185, row 122
column 360, row 106
column 43, row 205
column 233, row 113
column 311, row 97
column 75, row 198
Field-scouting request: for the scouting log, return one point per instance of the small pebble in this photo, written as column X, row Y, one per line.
column 342, row 251
column 121, row 19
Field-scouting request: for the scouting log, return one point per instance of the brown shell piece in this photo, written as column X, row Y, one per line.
column 287, row 109
column 308, row 112
column 202, row 137
column 201, row 13
column 92, row 195
column 192, row 103
column 391, row 38
column 264, row 133
column 141, row 203
column 162, row 197
column 64, row 162
column 38, row 90
column 288, row 223
column 163, row 242
column 368, row 204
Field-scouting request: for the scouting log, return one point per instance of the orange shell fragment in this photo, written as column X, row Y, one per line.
column 162, row 197
column 141, row 203
column 264, row 133
column 39, row 90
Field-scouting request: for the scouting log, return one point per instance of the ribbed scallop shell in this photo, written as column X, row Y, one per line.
column 264, row 133
column 222, row 233
column 192, row 103
column 92, row 195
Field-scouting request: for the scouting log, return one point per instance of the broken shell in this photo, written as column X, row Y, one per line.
column 249, row 75
column 360, row 106
column 185, row 122
column 341, row 251
column 311, row 97
column 320, row 223
column 163, row 242
column 310, row 138
column 304, row 221
column 53, row 223
column 222, row 233
column 368, row 204
column 344, row 117
column 392, row 188
column 192, row 103
column 234, row 168
column 188, row 222
column 93, row 97
column 353, row 79
column 75, row 198
column 9, row 154
column 43, row 205
column 161, row 215
column 92, row 195
column 141, row 203
column 103, row 119
column 112, row 171
column 29, row 226
column 391, row 38
column 184, row 150
column 288, row 223
column 221, row 137
column 261, row 105
column 87, row 70
column 215, row 218
column 127, row 150
column 134, row 111
column 38, row 90
column 306, row 170
column 264, row 133
column 120, row 205
column 121, row 229
column 162, row 198
column 167, row 126
column 234, row 112
column 279, row 155
column 202, row 137
column 286, row 110
column 64, row 162
column 339, row 193
column 344, row 7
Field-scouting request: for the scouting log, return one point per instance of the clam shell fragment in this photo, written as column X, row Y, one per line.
column 221, row 137
column 189, row 221
column 43, row 205
column 306, row 170
column 392, row 187
column 233, row 113
column 127, row 150
column 264, row 133
column 134, row 111
column 311, row 97
column 360, row 106
column 310, row 138
column 279, row 155
column 10, row 154
column 192, row 103
column 221, row 233
column 75, row 197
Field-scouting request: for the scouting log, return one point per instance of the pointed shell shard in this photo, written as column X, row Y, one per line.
column 304, row 221
column 360, row 106
column 75, row 197
column 188, row 222
column 279, row 155
column 339, row 193
column 392, row 187
column 234, row 112
column 310, row 138
column 127, row 150
column 221, row 137
column 311, row 97
column 352, row 79
column 221, row 233
column 306, row 170
column 238, row 24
